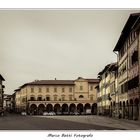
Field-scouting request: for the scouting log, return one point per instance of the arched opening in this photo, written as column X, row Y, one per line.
column 39, row 98
column 49, row 108
column 127, row 110
column 33, row 109
column 81, row 96
column 65, row 109
column 123, row 109
column 41, row 109
column 48, row 98
column 87, row 107
column 32, row 98
column 72, row 108
column 136, row 109
column 94, row 109
column 80, row 108
column 120, row 110
column 131, row 109
column 114, row 104
column 57, row 108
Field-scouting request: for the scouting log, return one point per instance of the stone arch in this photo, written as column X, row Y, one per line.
column 127, row 109
column 80, row 108
column 136, row 109
column 81, row 96
column 131, row 109
column 87, row 106
column 41, row 109
column 72, row 108
column 49, row 107
column 57, row 108
column 65, row 108
column 94, row 109
column 123, row 109
column 40, row 98
column 33, row 109
column 32, row 98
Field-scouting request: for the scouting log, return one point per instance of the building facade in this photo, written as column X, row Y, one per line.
column 1, row 93
column 65, row 96
column 128, row 48
column 107, row 95
column 8, row 103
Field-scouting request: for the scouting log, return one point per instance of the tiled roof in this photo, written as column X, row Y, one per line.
column 93, row 80
column 51, row 82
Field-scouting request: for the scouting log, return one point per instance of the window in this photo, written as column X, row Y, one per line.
column 55, row 89
column 70, row 89
column 63, row 89
column 63, row 97
column 40, row 90
column 32, row 98
column 81, row 87
column 91, row 88
column 81, row 96
column 24, row 100
column 47, row 89
column 134, row 57
column 32, row 90
column 39, row 98
column 47, row 98
column 133, row 83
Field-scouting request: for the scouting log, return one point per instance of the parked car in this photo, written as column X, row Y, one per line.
column 65, row 113
column 76, row 113
column 23, row 113
column 59, row 113
column 52, row 113
column 71, row 113
column 45, row 114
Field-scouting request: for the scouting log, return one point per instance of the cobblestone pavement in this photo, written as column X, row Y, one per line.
column 18, row 122
column 100, row 121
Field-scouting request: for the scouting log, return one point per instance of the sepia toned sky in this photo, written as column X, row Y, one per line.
column 62, row 44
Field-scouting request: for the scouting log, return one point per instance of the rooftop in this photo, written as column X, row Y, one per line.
column 2, row 77
column 131, row 22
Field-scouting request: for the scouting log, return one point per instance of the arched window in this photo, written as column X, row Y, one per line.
column 47, row 98
column 39, row 98
column 81, row 96
column 32, row 98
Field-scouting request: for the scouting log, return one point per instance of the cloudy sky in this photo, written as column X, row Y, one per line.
column 62, row 44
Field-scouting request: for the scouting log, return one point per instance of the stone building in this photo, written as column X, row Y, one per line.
column 1, row 93
column 107, row 90
column 128, row 49
column 8, row 103
column 65, row 96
